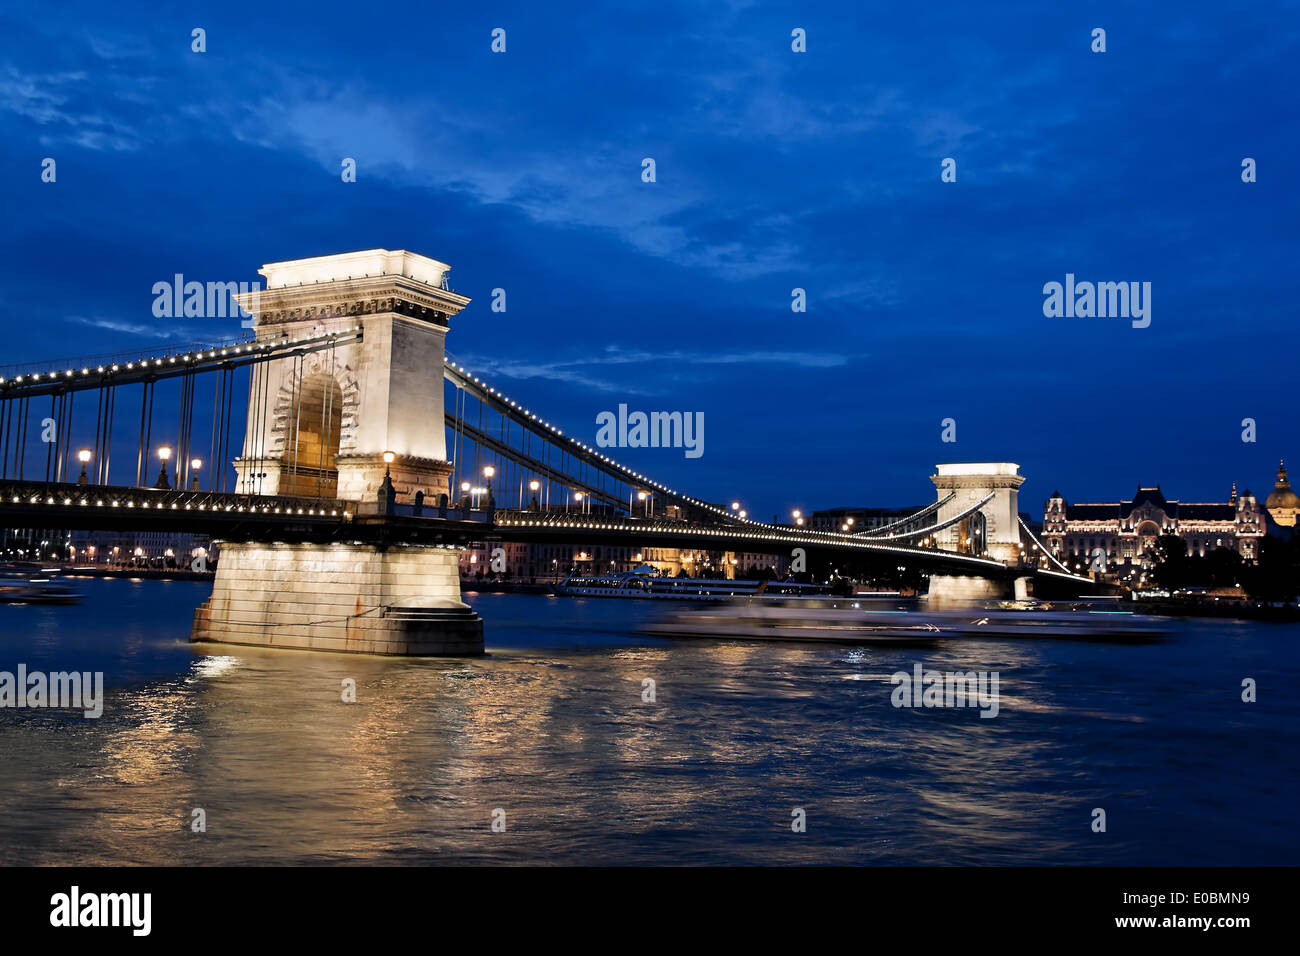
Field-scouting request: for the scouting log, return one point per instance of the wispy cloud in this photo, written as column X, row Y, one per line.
column 586, row 371
column 55, row 102
column 156, row 331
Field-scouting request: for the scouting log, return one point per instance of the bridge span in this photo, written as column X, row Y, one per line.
column 370, row 459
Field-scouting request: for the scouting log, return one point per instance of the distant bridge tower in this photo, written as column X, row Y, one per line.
column 992, row 532
column 318, row 426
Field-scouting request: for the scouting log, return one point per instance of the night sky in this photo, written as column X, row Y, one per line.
column 775, row 170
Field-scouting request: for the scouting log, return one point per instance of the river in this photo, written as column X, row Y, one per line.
column 549, row 732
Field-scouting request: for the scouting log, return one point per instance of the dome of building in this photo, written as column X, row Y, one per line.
column 1283, row 504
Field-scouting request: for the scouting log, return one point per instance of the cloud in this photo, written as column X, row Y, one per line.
column 585, row 371
column 128, row 328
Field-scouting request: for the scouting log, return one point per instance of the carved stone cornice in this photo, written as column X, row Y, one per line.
column 399, row 461
column 977, row 482
column 353, row 297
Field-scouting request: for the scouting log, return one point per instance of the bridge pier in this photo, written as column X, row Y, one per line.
column 349, row 598
column 964, row 589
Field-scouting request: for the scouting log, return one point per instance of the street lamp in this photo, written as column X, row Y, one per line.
column 83, row 456
column 533, row 486
column 195, row 465
column 164, row 454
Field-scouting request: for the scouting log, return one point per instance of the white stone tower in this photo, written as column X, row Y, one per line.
column 319, row 427
column 349, row 405
column 993, row 531
column 999, row 536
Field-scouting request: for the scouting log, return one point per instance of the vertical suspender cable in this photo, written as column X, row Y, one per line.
column 108, row 435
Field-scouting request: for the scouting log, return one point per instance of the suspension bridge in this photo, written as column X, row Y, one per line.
column 361, row 472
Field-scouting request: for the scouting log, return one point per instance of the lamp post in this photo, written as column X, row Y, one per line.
column 164, row 454
column 488, row 472
column 195, row 465
column 533, row 486
column 642, row 496
column 83, row 456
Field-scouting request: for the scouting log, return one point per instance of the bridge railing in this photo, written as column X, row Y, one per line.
column 38, row 494
column 423, row 509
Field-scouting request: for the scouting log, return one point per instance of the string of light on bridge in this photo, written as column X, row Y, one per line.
column 628, row 473
column 229, row 350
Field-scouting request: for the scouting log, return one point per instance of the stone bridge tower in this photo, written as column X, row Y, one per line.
column 991, row 532
column 323, row 428
column 319, row 426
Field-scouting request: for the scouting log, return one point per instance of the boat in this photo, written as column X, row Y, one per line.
column 846, row 622
column 1085, row 623
column 36, row 591
column 646, row 582
column 797, row 621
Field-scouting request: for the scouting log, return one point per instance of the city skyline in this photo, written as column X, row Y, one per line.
column 924, row 299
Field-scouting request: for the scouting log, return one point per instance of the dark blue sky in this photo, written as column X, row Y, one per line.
column 775, row 170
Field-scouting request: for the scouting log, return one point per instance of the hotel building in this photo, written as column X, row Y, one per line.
column 1127, row 531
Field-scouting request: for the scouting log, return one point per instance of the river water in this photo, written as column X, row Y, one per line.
column 551, row 729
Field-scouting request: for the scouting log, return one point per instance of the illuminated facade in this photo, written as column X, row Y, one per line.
column 1283, row 505
column 1126, row 532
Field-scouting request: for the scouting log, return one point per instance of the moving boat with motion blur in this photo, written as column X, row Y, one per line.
column 36, row 590
column 844, row 621
column 824, row 622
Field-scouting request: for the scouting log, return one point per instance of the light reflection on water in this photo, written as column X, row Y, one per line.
column 551, row 727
